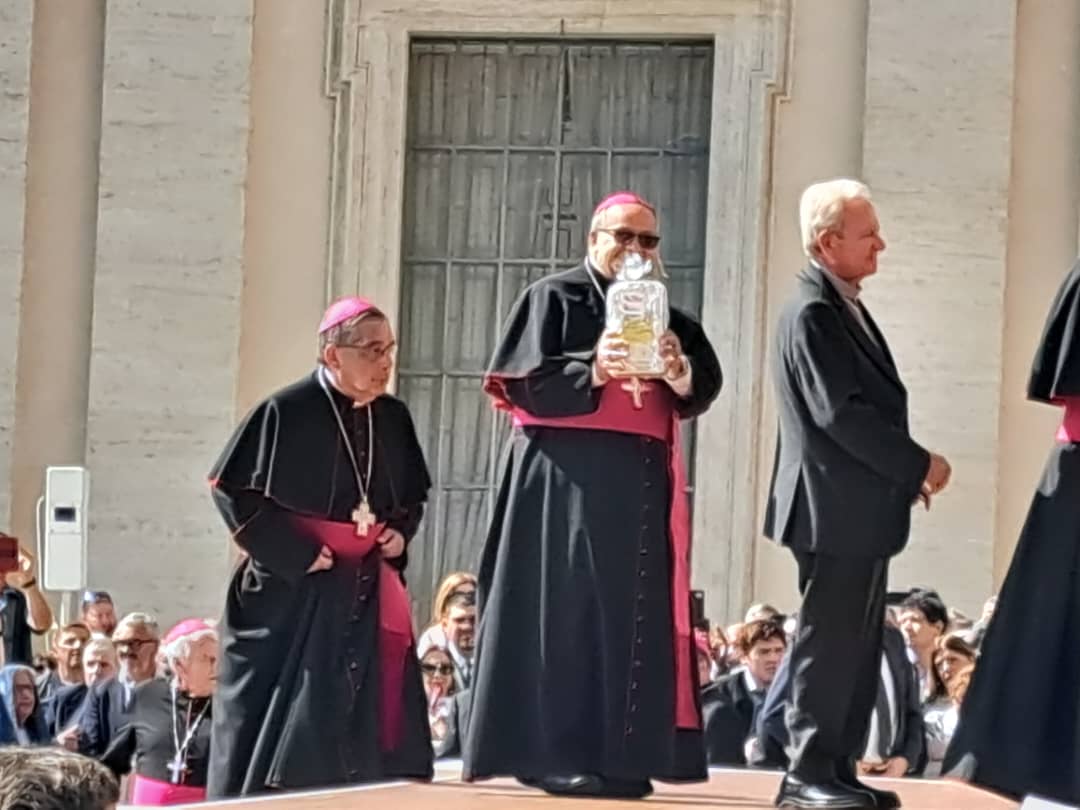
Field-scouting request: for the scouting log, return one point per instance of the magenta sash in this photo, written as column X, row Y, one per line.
column 147, row 792
column 395, row 620
column 1069, row 432
column 657, row 419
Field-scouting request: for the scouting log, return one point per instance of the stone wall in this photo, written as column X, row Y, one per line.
column 166, row 298
column 15, row 23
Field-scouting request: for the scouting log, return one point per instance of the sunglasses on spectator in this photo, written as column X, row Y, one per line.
column 625, row 237
column 437, row 669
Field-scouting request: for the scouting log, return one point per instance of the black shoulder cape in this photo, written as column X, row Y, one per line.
column 1055, row 373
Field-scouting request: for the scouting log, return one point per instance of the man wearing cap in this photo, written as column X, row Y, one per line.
column 323, row 485
column 585, row 676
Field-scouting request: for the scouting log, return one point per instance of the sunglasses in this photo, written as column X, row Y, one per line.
column 625, row 237
column 437, row 669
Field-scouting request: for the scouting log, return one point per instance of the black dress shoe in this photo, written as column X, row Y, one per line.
column 884, row 799
column 832, row 795
column 591, row 785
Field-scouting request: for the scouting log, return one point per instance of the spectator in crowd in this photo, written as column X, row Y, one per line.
column 20, row 713
column 455, row 583
column 108, row 703
column 167, row 736
column 720, row 646
column 895, row 742
column 99, row 613
column 63, row 710
column 923, row 619
column 978, row 632
column 54, row 779
column 731, row 705
column 953, row 656
column 437, row 671
column 67, row 649
column 23, row 611
column 762, row 611
column 941, row 720
column 459, row 629
column 42, row 664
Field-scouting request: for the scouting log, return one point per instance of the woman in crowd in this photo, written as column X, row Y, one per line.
column 168, row 736
column 941, row 720
column 20, row 710
column 437, row 671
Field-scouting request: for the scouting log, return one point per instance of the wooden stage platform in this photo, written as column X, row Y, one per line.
column 726, row 789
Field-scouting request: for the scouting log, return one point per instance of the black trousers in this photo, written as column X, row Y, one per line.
column 835, row 662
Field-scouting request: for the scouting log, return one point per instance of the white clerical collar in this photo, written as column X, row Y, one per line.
column 845, row 288
column 751, row 681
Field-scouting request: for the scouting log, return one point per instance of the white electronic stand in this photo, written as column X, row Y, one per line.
column 62, row 533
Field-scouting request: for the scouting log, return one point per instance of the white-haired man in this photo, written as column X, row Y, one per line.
column 846, row 475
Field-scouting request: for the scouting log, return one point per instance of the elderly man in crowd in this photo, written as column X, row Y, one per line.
column 168, row 734
column 108, row 703
column 64, row 710
column 846, row 475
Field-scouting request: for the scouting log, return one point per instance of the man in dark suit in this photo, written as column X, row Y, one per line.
column 730, row 705
column 846, row 475
column 108, row 703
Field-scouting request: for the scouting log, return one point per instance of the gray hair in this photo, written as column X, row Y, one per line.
column 96, row 645
column 347, row 332
column 180, row 649
column 54, row 779
column 821, row 208
column 144, row 620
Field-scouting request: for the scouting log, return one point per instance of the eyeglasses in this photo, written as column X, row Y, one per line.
column 371, row 351
column 437, row 669
column 134, row 644
column 625, row 236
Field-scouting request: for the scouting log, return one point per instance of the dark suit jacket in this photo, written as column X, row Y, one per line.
column 17, row 633
column 65, row 707
column 909, row 741
column 728, row 711
column 847, row 471
column 102, row 717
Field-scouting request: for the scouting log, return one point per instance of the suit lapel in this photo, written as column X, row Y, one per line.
column 879, row 352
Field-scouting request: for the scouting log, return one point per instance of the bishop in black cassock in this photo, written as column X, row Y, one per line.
column 322, row 486
column 1019, row 729
column 578, row 656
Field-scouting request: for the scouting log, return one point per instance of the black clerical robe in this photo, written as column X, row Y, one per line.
column 146, row 740
column 298, row 697
column 574, row 670
column 1019, row 727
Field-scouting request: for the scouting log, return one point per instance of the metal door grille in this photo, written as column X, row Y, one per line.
column 510, row 145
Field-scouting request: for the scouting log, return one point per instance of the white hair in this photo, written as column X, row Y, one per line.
column 180, row 649
column 821, row 208
column 99, row 645
column 143, row 620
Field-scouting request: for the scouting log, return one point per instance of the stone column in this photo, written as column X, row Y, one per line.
column 1044, row 207
column 287, row 201
column 60, row 240
column 819, row 135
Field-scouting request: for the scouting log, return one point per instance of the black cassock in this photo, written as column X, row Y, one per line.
column 297, row 701
column 1019, row 729
column 574, row 669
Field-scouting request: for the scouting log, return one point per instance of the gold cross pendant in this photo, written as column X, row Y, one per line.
column 364, row 518
column 636, row 388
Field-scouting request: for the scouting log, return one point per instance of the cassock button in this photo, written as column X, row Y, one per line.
column 353, row 665
column 363, row 597
column 629, row 730
column 643, row 552
column 633, row 686
column 648, row 485
column 640, row 618
column 365, row 578
column 633, row 708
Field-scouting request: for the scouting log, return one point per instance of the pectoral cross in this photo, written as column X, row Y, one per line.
column 635, row 387
column 177, row 770
column 364, row 518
